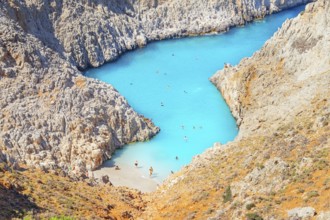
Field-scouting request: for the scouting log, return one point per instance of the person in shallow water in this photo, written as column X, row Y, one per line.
column 151, row 170
column 136, row 163
column 177, row 158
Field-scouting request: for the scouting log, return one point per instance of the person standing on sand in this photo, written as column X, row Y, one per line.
column 151, row 170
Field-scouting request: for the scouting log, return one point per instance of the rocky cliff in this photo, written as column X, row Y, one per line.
column 278, row 166
column 91, row 32
column 51, row 115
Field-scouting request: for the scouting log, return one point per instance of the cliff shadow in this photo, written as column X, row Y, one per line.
column 14, row 204
column 115, row 6
column 37, row 20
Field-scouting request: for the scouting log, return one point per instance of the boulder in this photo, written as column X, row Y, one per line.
column 301, row 213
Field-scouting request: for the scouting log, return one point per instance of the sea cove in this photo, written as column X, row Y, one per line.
column 73, row 147
column 167, row 81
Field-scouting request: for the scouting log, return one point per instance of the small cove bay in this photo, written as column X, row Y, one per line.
column 167, row 81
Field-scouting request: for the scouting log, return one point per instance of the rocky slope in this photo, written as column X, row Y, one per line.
column 190, row 17
column 34, row 194
column 89, row 33
column 278, row 167
column 53, row 116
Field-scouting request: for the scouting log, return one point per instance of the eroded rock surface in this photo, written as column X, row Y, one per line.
column 51, row 115
column 301, row 213
column 270, row 90
column 89, row 33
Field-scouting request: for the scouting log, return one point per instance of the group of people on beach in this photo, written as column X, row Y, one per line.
column 151, row 170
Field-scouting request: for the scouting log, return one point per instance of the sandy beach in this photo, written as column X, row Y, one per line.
column 129, row 176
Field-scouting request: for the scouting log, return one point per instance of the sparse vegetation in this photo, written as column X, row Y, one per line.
column 33, row 194
column 200, row 196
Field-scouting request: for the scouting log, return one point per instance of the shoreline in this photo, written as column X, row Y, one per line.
column 128, row 176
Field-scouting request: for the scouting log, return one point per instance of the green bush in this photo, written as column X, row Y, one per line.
column 250, row 206
column 253, row 216
column 312, row 194
column 28, row 217
column 227, row 196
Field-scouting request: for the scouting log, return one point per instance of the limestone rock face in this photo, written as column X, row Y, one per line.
column 51, row 115
column 258, row 92
column 89, row 33
column 189, row 17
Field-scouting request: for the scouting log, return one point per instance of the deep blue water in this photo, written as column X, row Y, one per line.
column 167, row 81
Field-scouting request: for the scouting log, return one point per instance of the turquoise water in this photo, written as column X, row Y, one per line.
column 167, row 81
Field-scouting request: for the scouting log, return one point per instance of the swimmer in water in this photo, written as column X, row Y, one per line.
column 151, row 170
